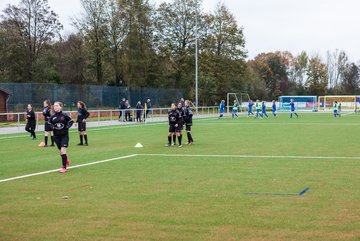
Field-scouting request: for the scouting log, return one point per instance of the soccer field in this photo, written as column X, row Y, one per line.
column 240, row 181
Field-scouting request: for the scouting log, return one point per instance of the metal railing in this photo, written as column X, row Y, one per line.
column 102, row 117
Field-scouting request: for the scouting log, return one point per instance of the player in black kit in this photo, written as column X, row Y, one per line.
column 188, row 121
column 83, row 114
column 179, row 128
column 30, row 121
column 61, row 123
column 48, row 128
column 173, row 116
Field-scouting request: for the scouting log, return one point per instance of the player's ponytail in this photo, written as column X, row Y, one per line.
column 48, row 104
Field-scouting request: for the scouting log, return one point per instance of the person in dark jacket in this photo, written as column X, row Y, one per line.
column 148, row 107
column 139, row 108
column 61, row 123
column 127, row 112
column 30, row 121
column 83, row 114
column 122, row 109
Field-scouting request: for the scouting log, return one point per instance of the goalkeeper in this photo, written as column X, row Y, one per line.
column 336, row 109
column 234, row 109
column 258, row 109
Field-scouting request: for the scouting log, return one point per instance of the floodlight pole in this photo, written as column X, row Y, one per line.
column 196, row 58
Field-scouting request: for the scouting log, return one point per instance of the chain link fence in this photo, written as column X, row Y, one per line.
column 94, row 96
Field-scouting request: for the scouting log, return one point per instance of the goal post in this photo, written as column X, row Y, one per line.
column 302, row 103
column 241, row 98
column 347, row 102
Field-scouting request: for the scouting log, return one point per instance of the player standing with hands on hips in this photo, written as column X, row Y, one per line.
column 61, row 123
column 83, row 114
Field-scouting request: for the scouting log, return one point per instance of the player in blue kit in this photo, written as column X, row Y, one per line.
column 222, row 108
column 263, row 110
column 250, row 107
column 292, row 109
column 273, row 108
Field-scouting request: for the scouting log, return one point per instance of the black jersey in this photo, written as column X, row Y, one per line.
column 181, row 115
column 47, row 113
column 188, row 116
column 173, row 117
column 30, row 116
column 61, row 123
column 82, row 114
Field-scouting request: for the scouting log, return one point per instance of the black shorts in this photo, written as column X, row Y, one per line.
column 179, row 128
column 81, row 126
column 30, row 125
column 172, row 128
column 188, row 127
column 62, row 141
column 48, row 127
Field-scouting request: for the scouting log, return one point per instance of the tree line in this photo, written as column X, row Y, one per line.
column 134, row 43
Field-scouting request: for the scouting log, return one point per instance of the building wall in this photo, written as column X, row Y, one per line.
column 3, row 102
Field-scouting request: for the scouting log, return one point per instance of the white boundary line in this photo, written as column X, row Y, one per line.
column 182, row 155
column 346, row 114
column 252, row 156
column 71, row 167
column 12, row 137
column 264, row 122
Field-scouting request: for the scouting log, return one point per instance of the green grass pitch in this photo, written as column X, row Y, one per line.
column 196, row 192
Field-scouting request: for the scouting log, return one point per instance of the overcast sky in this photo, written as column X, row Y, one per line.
column 269, row 25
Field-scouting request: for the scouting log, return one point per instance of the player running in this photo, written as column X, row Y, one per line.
column 188, row 122
column 61, row 123
column 48, row 128
column 83, row 114
column 263, row 110
column 292, row 109
column 30, row 121
column 273, row 108
column 173, row 116
column 250, row 107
